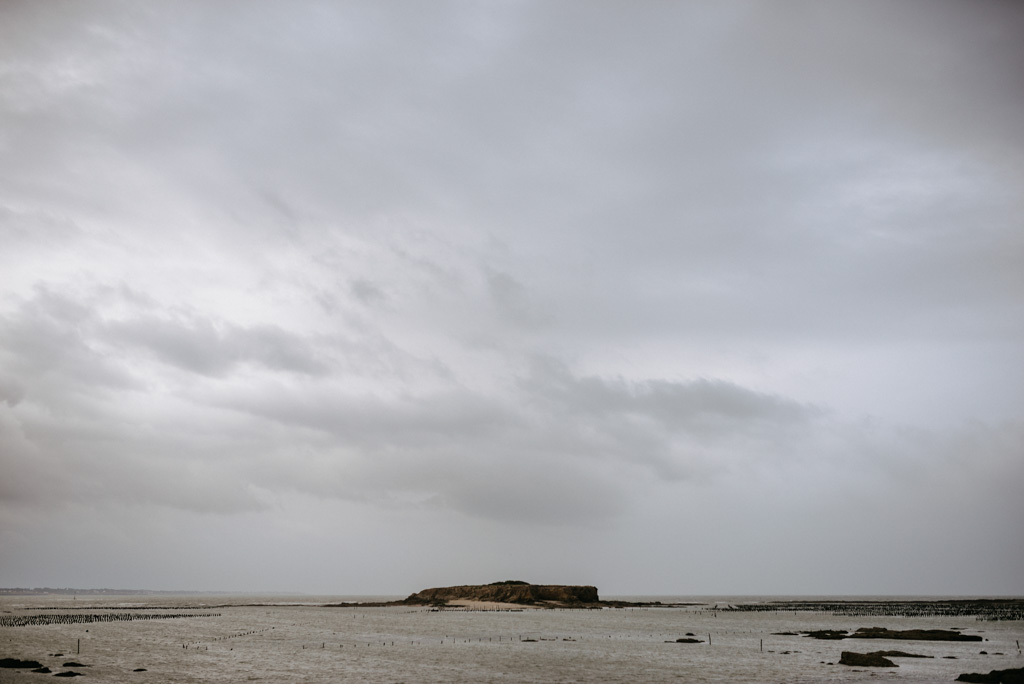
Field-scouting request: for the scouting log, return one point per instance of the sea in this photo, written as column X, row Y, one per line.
column 261, row 638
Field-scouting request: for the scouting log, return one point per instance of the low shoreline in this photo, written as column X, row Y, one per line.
column 988, row 609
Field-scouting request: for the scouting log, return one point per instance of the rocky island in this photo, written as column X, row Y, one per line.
column 509, row 591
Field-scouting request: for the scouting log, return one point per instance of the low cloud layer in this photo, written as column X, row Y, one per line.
column 362, row 283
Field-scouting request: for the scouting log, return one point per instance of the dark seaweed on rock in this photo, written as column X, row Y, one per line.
column 913, row 634
column 895, row 634
column 865, row 660
column 827, row 634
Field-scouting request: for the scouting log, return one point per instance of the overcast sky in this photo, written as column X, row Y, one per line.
column 366, row 297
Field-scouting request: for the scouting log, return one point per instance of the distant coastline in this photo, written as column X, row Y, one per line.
column 66, row 591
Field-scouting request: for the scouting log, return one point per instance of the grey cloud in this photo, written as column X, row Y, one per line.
column 513, row 301
column 21, row 228
column 197, row 345
column 590, row 432
column 11, row 391
column 46, row 341
column 678, row 405
column 53, row 465
column 55, row 329
column 367, row 291
column 548, row 492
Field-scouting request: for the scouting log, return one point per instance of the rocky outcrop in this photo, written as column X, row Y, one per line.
column 1012, row 676
column 827, row 634
column 865, row 660
column 508, row 592
column 913, row 634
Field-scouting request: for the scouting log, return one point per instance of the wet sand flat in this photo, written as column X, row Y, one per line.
column 255, row 639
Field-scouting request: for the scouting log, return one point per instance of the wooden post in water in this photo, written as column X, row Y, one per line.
column 78, row 647
column 762, row 645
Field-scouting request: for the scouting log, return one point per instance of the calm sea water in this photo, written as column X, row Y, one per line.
column 290, row 639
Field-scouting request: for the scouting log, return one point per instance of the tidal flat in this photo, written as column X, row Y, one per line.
column 206, row 638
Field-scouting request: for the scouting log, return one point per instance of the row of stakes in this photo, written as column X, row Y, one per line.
column 85, row 618
column 226, row 637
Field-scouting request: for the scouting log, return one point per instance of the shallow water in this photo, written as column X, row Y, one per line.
column 291, row 639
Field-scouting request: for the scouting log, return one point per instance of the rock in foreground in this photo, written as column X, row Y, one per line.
column 1012, row 676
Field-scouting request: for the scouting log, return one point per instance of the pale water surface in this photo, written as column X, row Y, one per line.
column 290, row 639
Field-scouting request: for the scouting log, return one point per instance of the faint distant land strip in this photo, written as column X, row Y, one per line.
column 989, row 609
column 78, row 618
column 37, row 591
